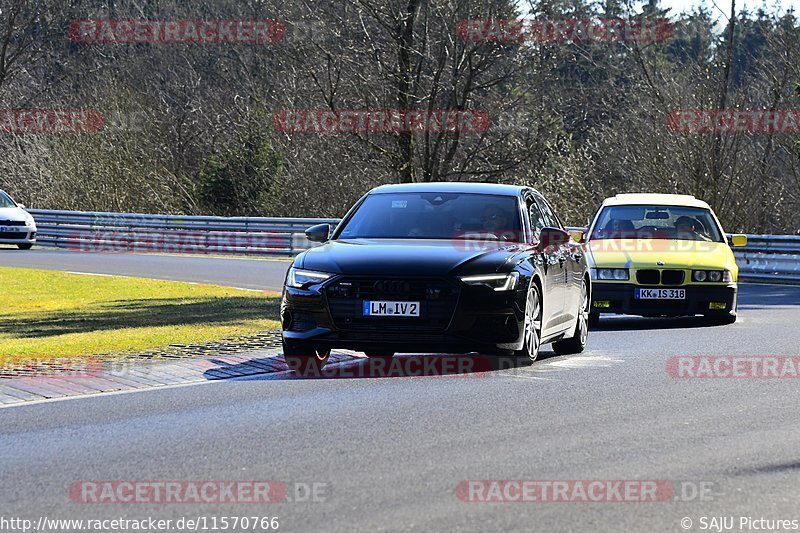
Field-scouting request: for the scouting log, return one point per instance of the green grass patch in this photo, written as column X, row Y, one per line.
column 51, row 315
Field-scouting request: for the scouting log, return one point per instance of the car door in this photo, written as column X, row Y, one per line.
column 555, row 273
column 565, row 255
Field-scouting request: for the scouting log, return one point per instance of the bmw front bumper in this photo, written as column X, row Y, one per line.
column 711, row 300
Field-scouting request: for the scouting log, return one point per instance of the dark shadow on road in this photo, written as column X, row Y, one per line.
column 636, row 323
column 345, row 367
column 767, row 469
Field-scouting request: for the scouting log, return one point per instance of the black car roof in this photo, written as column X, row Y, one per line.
column 453, row 186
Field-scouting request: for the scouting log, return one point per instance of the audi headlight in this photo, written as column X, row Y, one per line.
column 613, row 274
column 498, row 282
column 298, row 278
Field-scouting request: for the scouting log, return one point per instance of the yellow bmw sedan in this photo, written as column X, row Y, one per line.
column 661, row 255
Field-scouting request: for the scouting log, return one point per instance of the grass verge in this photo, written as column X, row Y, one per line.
column 47, row 315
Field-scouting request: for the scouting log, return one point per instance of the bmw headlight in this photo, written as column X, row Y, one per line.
column 714, row 276
column 611, row 274
column 299, row 278
column 498, row 282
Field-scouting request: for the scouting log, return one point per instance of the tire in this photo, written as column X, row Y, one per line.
column 594, row 320
column 532, row 329
column 577, row 342
column 305, row 359
column 26, row 246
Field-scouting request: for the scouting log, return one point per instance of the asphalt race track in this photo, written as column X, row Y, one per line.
column 246, row 273
column 390, row 452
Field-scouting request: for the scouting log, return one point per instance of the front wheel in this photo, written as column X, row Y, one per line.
column 577, row 342
column 532, row 335
column 304, row 359
column 26, row 246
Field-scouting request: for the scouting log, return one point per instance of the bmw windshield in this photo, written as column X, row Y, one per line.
column 432, row 215
column 656, row 222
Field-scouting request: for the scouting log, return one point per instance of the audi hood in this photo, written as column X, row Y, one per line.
column 410, row 257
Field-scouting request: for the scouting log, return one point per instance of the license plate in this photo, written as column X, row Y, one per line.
column 660, row 294
column 7, row 228
column 386, row 308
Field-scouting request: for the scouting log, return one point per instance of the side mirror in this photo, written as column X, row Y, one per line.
column 318, row 233
column 552, row 237
column 578, row 235
column 738, row 240
column 21, row 206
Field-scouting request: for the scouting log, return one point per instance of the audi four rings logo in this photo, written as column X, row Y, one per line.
column 392, row 286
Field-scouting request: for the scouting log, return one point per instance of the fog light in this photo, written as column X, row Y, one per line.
column 603, row 304
column 717, row 305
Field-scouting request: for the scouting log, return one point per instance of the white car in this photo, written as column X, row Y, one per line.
column 16, row 225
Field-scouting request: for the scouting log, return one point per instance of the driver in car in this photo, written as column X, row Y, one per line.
column 686, row 228
column 496, row 222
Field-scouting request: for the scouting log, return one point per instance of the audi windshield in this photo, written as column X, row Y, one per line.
column 434, row 216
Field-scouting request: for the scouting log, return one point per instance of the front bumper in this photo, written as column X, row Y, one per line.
column 477, row 319
column 18, row 237
column 619, row 298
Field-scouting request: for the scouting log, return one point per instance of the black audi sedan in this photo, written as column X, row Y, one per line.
column 438, row 268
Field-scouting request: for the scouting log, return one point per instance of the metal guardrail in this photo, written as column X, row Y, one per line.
column 769, row 258
column 132, row 232
column 774, row 258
